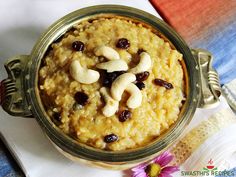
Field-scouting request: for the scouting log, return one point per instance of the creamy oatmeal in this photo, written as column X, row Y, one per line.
column 112, row 84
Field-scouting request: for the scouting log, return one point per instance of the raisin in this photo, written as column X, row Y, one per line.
column 123, row 43
column 81, row 98
column 140, row 51
column 110, row 77
column 140, row 85
column 124, row 115
column 106, row 82
column 163, row 83
column 56, row 118
column 110, row 138
column 72, row 29
column 118, row 73
column 142, row 76
column 78, row 46
column 90, row 20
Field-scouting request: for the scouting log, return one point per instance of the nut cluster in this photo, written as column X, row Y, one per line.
column 123, row 82
column 124, row 78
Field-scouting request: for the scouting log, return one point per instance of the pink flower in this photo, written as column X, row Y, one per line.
column 157, row 168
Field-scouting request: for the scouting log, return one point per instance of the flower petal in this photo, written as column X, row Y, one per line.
column 139, row 171
column 163, row 159
column 170, row 169
column 164, row 175
column 139, row 167
column 140, row 174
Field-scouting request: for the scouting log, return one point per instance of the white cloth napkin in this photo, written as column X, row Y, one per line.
column 21, row 23
column 220, row 147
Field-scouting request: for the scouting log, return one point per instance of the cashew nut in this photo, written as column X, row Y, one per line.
column 120, row 83
column 111, row 105
column 135, row 98
column 114, row 65
column 83, row 75
column 144, row 64
column 107, row 52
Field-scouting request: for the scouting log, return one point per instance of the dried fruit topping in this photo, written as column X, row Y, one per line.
column 124, row 115
column 110, row 138
column 81, row 98
column 140, row 85
column 110, row 77
column 78, row 46
column 163, row 83
column 90, row 20
column 140, row 51
column 142, row 76
column 123, row 43
column 57, row 116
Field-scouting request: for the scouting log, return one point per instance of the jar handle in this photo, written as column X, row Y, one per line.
column 210, row 84
column 12, row 94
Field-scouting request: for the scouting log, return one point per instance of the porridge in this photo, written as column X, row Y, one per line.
column 112, row 84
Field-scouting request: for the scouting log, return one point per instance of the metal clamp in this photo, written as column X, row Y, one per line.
column 210, row 85
column 12, row 94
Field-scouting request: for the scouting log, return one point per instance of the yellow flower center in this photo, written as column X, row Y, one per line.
column 153, row 170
